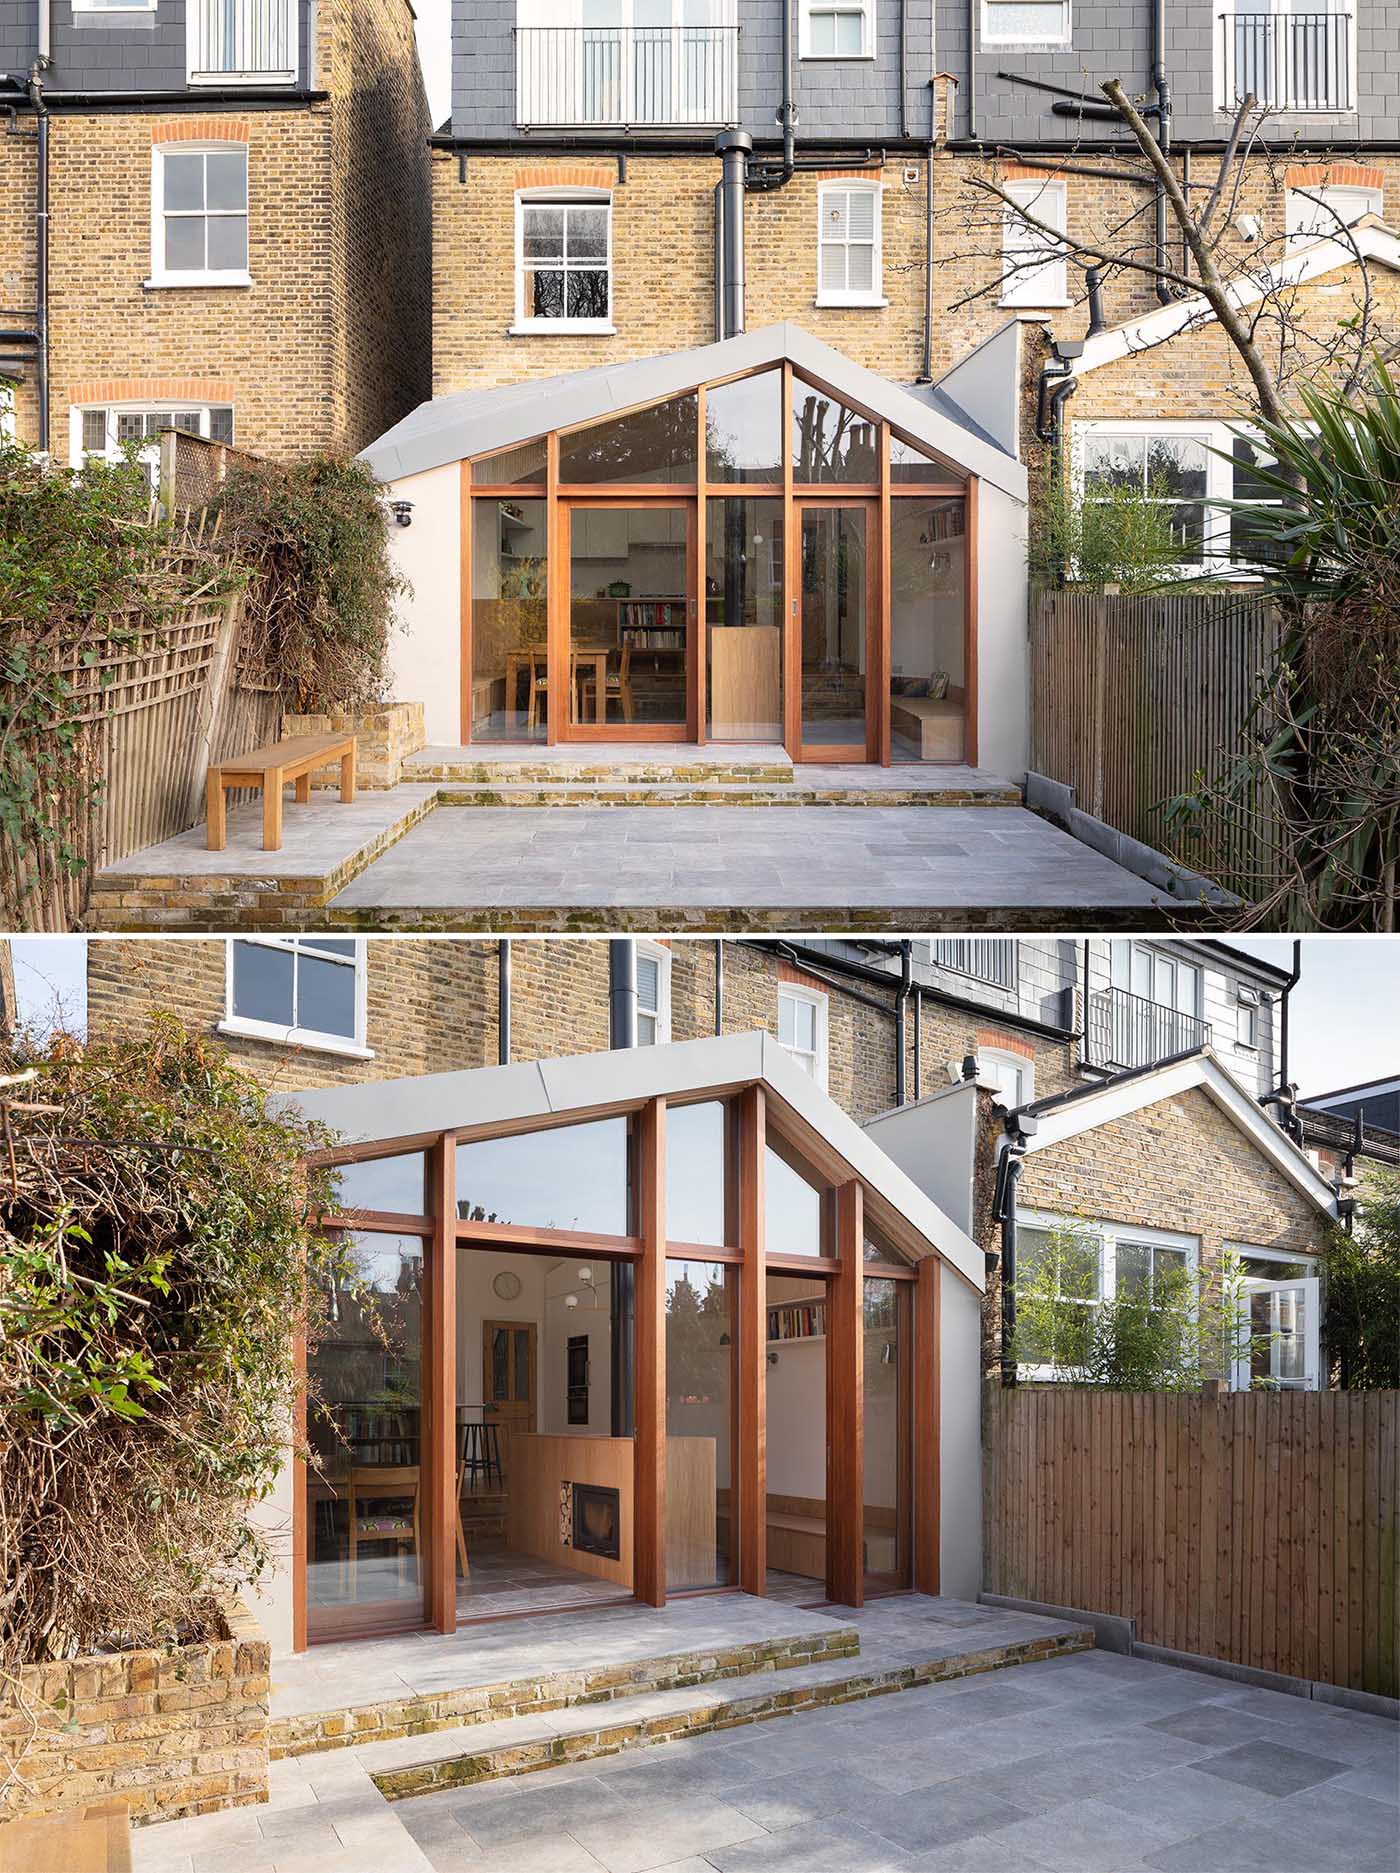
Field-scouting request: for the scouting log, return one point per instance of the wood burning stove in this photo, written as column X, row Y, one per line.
column 597, row 1520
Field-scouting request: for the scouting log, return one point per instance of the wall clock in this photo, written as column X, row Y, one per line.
column 506, row 1286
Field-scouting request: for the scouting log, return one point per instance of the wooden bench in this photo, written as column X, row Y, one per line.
column 934, row 723
column 271, row 768
column 95, row 1839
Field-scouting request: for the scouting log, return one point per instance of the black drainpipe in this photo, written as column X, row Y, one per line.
column 1013, row 1164
column 901, row 1019
column 733, row 148
column 903, row 70
column 1165, row 293
column 503, row 1001
column 41, row 229
column 719, row 261
column 719, row 985
column 622, row 1032
column 926, row 372
column 918, row 1041
column 972, row 71
column 1284, row 1095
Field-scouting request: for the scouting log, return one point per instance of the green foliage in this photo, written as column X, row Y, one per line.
column 81, row 574
column 1318, row 754
column 321, row 594
column 1361, row 1275
column 1122, row 537
column 159, row 1254
column 1157, row 1336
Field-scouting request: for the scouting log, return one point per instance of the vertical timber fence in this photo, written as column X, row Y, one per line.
column 1255, row 1527
column 1133, row 697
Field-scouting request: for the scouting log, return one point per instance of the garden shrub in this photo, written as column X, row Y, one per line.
column 159, row 1257
column 1361, row 1273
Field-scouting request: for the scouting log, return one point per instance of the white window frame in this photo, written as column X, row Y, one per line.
column 1219, row 439
column 661, row 1014
column 1248, row 1003
column 813, row 998
column 311, row 1039
column 1019, row 1063
column 1046, row 283
column 161, row 276
column 1241, row 1254
column 1109, row 1235
column 1302, row 205
column 149, row 452
column 1063, row 38
column 122, row 7
column 526, row 325
column 844, row 296
column 866, row 9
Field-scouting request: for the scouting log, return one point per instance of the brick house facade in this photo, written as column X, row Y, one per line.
column 323, row 340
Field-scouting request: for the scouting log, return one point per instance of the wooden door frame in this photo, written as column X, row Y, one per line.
column 562, row 727
column 876, row 631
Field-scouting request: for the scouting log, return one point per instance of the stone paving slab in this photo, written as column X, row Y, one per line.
column 766, row 858
column 969, row 1788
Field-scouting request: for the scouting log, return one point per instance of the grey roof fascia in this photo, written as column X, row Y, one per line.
column 478, row 422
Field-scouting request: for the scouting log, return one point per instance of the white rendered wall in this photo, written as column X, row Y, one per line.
column 960, row 1433
column 271, row 1599
column 425, row 650
column 1003, row 644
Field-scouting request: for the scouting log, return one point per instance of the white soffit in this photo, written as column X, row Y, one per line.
column 381, row 1110
column 1201, row 1071
column 1373, row 241
column 479, row 422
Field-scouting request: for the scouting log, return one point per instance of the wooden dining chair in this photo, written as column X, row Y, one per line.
column 383, row 1506
column 539, row 686
column 461, row 1532
column 618, row 687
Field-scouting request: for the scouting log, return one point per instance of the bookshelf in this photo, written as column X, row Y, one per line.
column 652, row 625
column 796, row 1320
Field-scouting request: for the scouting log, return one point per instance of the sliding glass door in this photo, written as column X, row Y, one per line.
column 631, row 619
column 836, row 610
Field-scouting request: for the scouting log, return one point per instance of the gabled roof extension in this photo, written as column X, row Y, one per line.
column 381, row 1110
column 478, row 422
column 1066, row 1115
column 1374, row 240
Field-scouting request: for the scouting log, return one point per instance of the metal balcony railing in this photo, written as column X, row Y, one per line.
column 242, row 41
column 1288, row 61
column 1125, row 1030
column 625, row 76
column 983, row 959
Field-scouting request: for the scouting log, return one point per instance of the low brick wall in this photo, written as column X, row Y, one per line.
column 170, row 1733
column 385, row 735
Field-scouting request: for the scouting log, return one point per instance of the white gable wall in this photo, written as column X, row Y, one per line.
column 425, row 650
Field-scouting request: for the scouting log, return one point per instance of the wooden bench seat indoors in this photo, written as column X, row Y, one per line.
column 270, row 768
column 933, row 722
column 95, row 1839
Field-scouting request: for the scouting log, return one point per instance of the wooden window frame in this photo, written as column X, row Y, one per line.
column 751, row 1112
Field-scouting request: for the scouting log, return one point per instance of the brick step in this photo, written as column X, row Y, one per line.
column 488, row 773
column 415, row 1716
column 720, row 793
column 581, row 1731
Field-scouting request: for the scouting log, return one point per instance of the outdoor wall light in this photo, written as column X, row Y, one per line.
column 402, row 512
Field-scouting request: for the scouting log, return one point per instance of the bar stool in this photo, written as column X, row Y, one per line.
column 481, row 1452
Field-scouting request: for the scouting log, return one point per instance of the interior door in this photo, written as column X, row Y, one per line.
column 633, row 629
column 832, row 656
column 1282, row 1320
column 510, row 1379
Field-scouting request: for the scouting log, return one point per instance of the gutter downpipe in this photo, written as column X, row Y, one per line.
column 733, row 148
column 918, row 1042
column 41, row 218
column 901, row 1020
column 903, row 70
column 1285, row 1096
column 926, row 372
column 1015, row 1155
column 503, row 1001
column 1165, row 294
column 622, row 1032
column 719, row 985
column 972, row 23
column 719, row 261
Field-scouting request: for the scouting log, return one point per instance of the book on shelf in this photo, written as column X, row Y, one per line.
column 797, row 1320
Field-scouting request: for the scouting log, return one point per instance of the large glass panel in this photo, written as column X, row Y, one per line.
column 835, row 614
column 398, row 1184
column 831, row 442
column 701, row 1424
column 510, row 676
column 928, row 629
column 886, row 1430
column 696, row 1183
column 744, row 609
column 629, row 615
column 796, row 1401
column 654, row 444
column 910, row 464
column 365, row 1521
column 744, row 429
column 524, row 463
column 797, row 1209
column 569, row 1177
